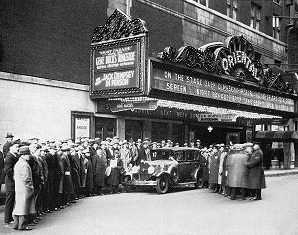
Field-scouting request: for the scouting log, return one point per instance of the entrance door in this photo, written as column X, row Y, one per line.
column 133, row 129
column 105, row 127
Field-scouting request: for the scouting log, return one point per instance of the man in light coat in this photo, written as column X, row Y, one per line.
column 24, row 190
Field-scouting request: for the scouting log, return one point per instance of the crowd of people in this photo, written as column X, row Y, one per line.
column 235, row 170
column 44, row 176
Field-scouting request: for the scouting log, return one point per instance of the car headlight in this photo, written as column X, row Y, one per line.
column 151, row 170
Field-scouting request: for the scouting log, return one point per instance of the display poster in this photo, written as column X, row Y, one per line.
column 82, row 127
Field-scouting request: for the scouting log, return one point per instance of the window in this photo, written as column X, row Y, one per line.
column 276, row 27
column 203, row 2
column 232, row 8
column 255, row 16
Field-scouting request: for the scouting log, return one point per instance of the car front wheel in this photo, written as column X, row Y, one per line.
column 162, row 185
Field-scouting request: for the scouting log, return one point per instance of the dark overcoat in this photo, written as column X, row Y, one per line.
column 256, row 177
column 89, row 175
column 67, row 179
column 75, row 170
column 9, row 164
column 100, row 165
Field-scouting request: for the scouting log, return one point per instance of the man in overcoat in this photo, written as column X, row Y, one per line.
column 24, row 190
column 256, row 178
column 9, row 163
column 99, row 169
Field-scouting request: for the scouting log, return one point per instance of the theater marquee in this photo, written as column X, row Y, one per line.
column 165, row 78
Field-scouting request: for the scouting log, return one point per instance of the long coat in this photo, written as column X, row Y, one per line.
column 213, row 168
column 75, row 170
column 100, row 165
column 256, row 177
column 237, row 169
column 60, row 172
column 24, row 196
column 125, row 157
column 221, row 165
column 89, row 174
column 67, row 179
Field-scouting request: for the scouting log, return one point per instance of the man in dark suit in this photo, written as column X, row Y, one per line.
column 9, row 163
column 9, row 142
column 256, row 177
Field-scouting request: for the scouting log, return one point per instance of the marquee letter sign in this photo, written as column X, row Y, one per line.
column 118, row 58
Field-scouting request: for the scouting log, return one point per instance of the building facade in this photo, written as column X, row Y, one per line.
column 45, row 64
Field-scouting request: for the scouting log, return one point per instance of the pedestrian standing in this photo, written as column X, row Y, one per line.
column 114, row 177
column 9, row 163
column 8, row 143
column 125, row 155
column 256, row 178
column 213, row 169
column 24, row 191
column 100, row 169
column 89, row 173
column 67, row 179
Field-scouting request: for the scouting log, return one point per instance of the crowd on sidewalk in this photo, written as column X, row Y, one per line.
column 43, row 176
column 235, row 170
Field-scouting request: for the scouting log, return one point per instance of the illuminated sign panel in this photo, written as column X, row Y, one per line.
column 117, row 68
column 180, row 83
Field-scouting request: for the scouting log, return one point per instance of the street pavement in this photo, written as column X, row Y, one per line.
column 182, row 212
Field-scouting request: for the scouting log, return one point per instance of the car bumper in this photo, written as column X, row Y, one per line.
column 143, row 183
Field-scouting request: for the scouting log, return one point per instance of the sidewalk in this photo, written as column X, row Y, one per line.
column 280, row 172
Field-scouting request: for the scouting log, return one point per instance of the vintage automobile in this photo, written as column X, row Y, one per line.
column 168, row 168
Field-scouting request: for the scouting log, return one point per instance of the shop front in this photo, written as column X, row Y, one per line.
column 218, row 93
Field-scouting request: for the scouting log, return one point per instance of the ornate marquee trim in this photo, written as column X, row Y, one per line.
column 117, row 26
column 236, row 57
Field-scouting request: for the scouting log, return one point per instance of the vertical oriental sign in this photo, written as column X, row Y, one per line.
column 82, row 127
column 118, row 68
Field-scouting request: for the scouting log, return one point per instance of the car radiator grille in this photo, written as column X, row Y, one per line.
column 139, row 176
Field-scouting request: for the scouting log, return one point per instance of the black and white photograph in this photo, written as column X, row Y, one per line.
column 149, row 117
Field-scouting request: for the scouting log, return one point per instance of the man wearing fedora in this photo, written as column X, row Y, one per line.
column 8, row 143
column 24, row 195
column 9, row 163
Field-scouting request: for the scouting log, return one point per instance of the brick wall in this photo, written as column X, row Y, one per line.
column 49, row 38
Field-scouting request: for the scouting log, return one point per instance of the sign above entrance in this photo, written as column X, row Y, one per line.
column 236, row 58
column 118, row 58
column 165, row 78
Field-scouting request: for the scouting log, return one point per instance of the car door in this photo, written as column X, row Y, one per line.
column 182, row 166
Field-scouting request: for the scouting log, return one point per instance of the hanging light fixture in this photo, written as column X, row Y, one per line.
column 210, row 128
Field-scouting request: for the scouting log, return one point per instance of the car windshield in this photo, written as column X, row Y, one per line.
column 162, row 155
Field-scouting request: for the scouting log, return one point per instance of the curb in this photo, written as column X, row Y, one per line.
column 281, row 174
